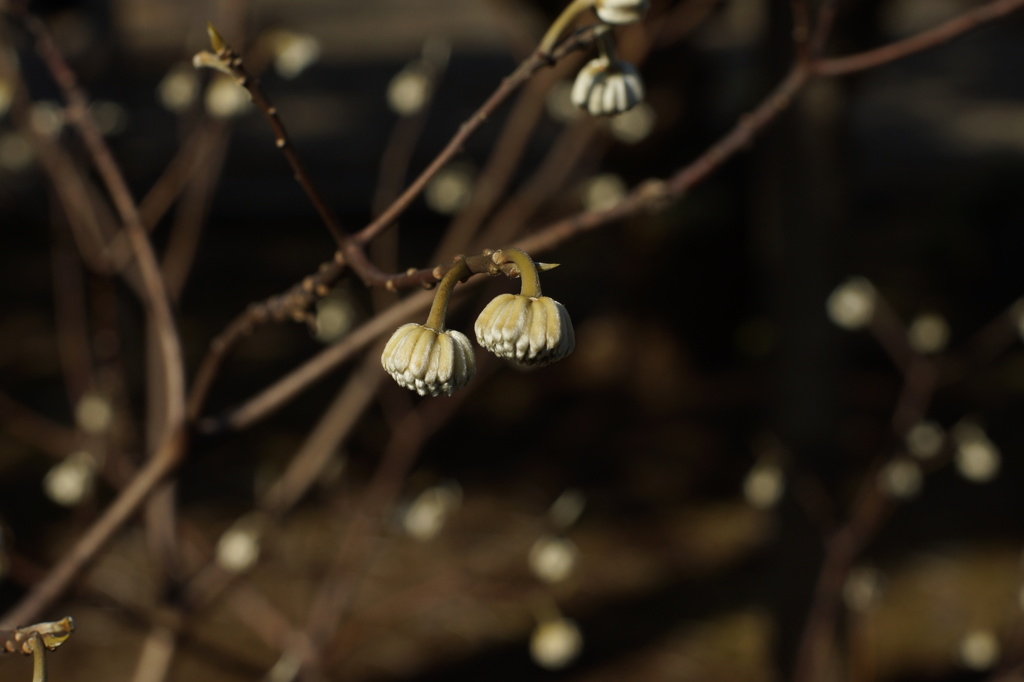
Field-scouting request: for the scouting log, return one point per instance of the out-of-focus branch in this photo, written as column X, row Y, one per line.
column 339, row 586
column 510, row 84
column 44, row 592
column 648, row 195
column 490, row 186
column 156, row 299
column 230, row 61
column 943, row 33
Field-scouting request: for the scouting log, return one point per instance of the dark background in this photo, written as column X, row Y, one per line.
column 702, row 334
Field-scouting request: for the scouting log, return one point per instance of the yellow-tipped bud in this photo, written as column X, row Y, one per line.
column 216, row 41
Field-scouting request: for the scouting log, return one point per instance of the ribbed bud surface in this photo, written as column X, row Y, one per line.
column 427, row 361
column 620, row 11
column 527, row 330
column 607, row 87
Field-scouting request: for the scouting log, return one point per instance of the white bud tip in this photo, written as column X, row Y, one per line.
column 979, row 650
column 924, row 440
column 426, row 516
column 764, row 485
column 928, row 333
column 553, row 559
column 900, row 478
column 555, row 644
column 238, row 548
column 70, row 481
column 852, row 304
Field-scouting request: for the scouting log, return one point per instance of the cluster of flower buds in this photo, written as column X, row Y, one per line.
column 606, row 85
column 528, row 329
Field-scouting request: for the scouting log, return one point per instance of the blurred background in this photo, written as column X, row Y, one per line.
column 825, row 329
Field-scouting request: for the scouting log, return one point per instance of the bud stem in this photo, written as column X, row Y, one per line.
column 575, row 8
column 38, row 658
column 605, row 45
column 528, row 273
column 439, row 308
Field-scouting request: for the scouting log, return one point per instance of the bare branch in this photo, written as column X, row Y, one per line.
column 943, row 33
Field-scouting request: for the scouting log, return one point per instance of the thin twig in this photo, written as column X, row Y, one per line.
column 233, row 63
column 647, row 195
column 157, row 302
column 801, row 32
column 289, row 386
column 509, row 85
column 339, row 586
column 508, row 150
column 157, row 655
column 842, row 550
column 191, row 215
column 943, row 33
column 100, row 532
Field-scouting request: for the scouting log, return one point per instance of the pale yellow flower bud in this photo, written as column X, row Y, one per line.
column 529, row 330
column 620, row 11
column 605, row 87
column 428, row 361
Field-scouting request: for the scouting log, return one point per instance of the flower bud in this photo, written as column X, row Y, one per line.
column 529, row 330
column 620, row 11
column 428, row 361
column 605, row 87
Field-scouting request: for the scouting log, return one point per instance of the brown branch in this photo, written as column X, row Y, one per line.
column 943, row 33
column 100, row 532
column 89, row 218
column 294, row 303
column 231, row 62
column 510, row 84
column 648, row 195
column 156, row 299
column 316, row 368
column 336, row 593
column 191, row 216
column 842, row 550
column 492, row 182
column 550, row 176
column 801, row 33
column 322, row 442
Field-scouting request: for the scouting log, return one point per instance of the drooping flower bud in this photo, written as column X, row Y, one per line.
column 529, row 330
column 606, row 86
column 620, row 11
column 428, row 361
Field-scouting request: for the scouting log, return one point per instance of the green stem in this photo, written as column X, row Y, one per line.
column 605, row 45
column 528, row 272
column 568, row 15
column 38, row 658
column 439, row 308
